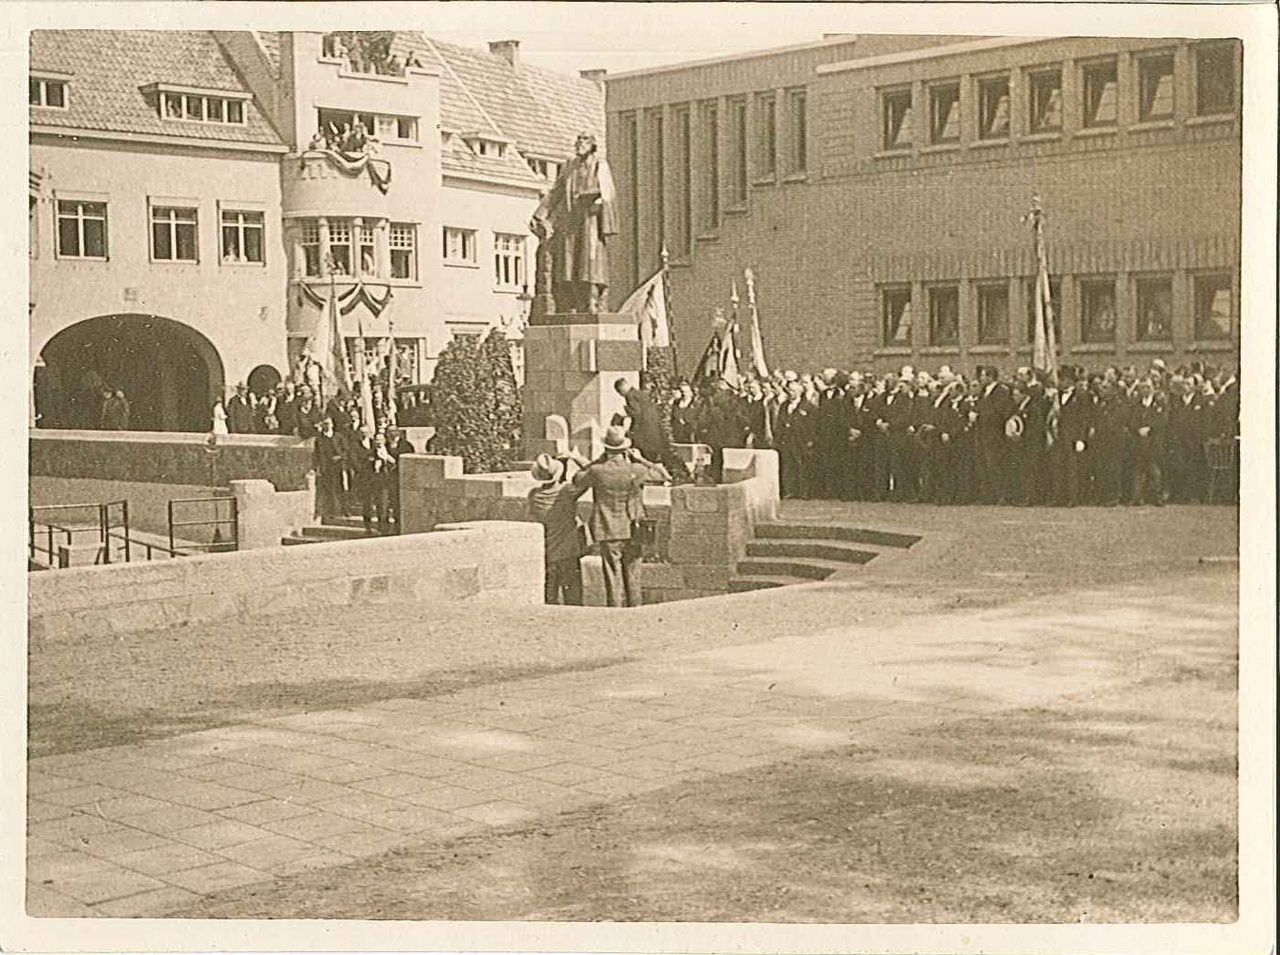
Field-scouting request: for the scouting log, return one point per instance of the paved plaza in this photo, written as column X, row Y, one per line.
column 297, row 767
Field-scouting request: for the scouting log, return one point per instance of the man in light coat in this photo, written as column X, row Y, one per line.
column 616, row 480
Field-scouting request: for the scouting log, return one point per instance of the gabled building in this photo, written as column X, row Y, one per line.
column 157, row 262
column 198, row 197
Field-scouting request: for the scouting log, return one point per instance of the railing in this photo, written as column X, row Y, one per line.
column 102, row 521
column 225, row 535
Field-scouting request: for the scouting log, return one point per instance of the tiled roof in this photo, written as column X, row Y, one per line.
column 456, row 156
column 542, row 110
column 110, row 67
column 269, row 40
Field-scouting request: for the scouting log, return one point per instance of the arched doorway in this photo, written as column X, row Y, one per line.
column 263, row 379
column 170, row 373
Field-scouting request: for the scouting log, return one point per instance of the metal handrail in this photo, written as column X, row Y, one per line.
column 231, row 522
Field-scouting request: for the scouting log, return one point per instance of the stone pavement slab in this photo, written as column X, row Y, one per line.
column 141, row 829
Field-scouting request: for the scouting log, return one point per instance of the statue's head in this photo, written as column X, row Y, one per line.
column 585, row 144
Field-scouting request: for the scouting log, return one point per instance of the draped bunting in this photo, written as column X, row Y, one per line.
column 350, row 297
column 353, row 164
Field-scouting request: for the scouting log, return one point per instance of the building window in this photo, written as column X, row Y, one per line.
column 798, row 129
column 895, row 315
column 944, row 315
column 1155, row 87
column 404, row 251
column 710, row 167
column 896, row 118
column 337, row 126
column 368, row 254
column 173, row 234
column 682, row 227
column 82, row 229
column 543, row 168
column 993, row 108
column 508, row 260
column 944, row 113
column 199, row 108
column 1098, row 310
column 738, row 153
column 660, row 178
column 459, row 245
column 1045, row 90
column 340, row 245
column 1101, row 101
column 310, row 241
column 47, row 92
column 1155, row 310
column 242, row 236
column 1215, row 65
column 1215, row 309
column 488, row 147
column 993, row 314
column 767, row 124
column 1055, row 304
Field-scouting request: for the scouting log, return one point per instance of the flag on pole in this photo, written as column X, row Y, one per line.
column 326, row 347
column 1045, row 351
column 758, row 364
column 709, row 364
column 728, row 363
column 393, row 376
column 648, row 306
column 366, row 391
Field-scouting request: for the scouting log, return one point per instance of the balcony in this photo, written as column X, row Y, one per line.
column 323, row 182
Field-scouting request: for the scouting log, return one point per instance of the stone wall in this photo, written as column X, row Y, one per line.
column 491, row 562
column 148, row 502
column 170, row 458
column 702, row 531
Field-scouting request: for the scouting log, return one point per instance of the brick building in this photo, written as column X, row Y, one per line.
column 877, row 186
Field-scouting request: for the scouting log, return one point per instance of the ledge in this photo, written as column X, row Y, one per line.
column 990, row 143
column 894, row 351
column 1045, row 137
column 1214, row 120
column 1153, row 347
column 734, row 210
column 1094, row 348
column 1224, row 345
column 1096, row 131
column 709, row 237
column 940, row 350
column 903, row 152
column 992, row 350
column 796, row 177
column 941, row 148
column 1151, row 124
column 450, row 263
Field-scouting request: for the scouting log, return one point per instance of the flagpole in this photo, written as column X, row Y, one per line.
column 666, row 295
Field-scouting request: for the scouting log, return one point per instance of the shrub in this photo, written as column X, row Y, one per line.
column 476, row 403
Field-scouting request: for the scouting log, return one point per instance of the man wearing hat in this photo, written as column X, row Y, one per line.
column 554, row 504
column 616, row 480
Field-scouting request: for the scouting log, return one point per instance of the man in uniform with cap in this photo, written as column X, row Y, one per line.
column 616, row 480
column 554, row 504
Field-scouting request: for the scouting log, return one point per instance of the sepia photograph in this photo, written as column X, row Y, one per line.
column 547, row 468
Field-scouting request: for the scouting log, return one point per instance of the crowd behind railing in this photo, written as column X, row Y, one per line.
column 1111, row 436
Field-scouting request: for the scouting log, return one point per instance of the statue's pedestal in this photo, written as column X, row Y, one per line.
column 571, row 361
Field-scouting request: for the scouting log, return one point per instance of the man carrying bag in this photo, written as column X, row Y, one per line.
column 618, row 521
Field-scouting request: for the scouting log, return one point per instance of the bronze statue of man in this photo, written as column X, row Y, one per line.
column 573, row 222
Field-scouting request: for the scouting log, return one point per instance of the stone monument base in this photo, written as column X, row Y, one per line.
column 571, row 361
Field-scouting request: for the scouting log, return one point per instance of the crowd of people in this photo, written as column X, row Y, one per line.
column 356, row 462
column 1118, row 435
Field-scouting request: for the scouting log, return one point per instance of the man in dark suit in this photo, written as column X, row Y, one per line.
column 994, row 406
column 1075, row 417
column 1148, row 423
column 1111, row 424
column 898, row 417
column 859, row 426
column 794, row 434
column 942, row 424
column 1188, row 430
column 616, row 480
column 240, row 411
column 329, row 457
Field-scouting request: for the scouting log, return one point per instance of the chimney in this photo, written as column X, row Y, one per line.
column 595, row 76
column 509, row 50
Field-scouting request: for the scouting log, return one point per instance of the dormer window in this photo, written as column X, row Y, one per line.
column 50, row 91
column 192, row 105
column 546, row 168
column 485, row 147
column 488, row 146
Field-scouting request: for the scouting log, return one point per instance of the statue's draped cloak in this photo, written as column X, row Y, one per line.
column 579, row 229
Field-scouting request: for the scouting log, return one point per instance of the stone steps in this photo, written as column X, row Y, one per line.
column 786, row 554
column 330, row 529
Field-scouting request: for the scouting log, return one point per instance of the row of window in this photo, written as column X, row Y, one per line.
column 699, row 138
column 357, row 247
column 82, row 232
column 335, row 123
column 202, row 108
column 461, row 247
column 1097, row 311
column 1214, row 84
